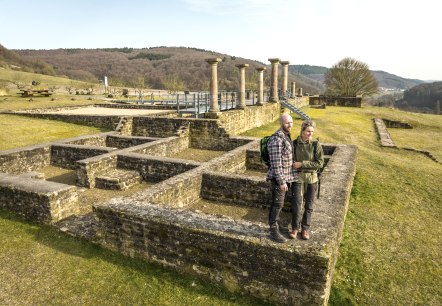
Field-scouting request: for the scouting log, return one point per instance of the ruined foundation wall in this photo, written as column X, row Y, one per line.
column 336, row 101
column 121, row 142
column 154, row 169
column 89, row 168
column 163, row 147
column 240, row 120
column 25, row 159
column 106, row 122
column 233, row 253
column 230, row 188
column 66, row 156
column 36, row 199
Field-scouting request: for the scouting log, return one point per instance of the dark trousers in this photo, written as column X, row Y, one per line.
column 278, row 197
column 299, row 219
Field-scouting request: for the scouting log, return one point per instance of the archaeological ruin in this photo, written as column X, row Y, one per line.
column 154, row 175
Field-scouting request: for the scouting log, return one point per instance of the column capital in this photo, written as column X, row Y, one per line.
column 260, row 69
column 215, row 60
column 285, row 63
column 274, row 60
column 242, row 65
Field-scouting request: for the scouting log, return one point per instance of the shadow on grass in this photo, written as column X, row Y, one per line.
column 77, row 247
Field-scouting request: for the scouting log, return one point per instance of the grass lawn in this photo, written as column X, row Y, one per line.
column 391, row 248
column 390, row 252
column 19, row 131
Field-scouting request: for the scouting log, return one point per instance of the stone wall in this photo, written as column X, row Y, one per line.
column 397, row 124
column 66, row 156
column 98, row 140
column 25, row 159
column 234, row 253
column 165, row 147
column 237, row 121
column 231, row 188
column 121, row 142
column 89, row 168
column 203, row 133
column 36, row 199
column 335, row 101
column 154, row 169
column 103, row 121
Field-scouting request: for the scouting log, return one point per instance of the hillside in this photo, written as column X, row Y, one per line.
column 11, row 60
column 158, row 66
column 422, row 96
column 385, row 79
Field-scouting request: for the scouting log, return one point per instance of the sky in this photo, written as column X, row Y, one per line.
column 397, row 36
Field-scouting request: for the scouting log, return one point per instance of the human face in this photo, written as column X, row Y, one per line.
column 307, row 134
column 286, row 124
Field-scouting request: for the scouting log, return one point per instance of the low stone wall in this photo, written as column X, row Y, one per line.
column 397, row 124
column 98, row 140
column 36, row 199
column 237, row 121
column 384, row 136
column 203, row 133
column 25, row 159
column 335, row 101
column 107, row 122
column 121, row 142
column 234, row 253
column 154, row 169
column 89, row 168
column 66, row 156
column 165, row 147
column 230, row 188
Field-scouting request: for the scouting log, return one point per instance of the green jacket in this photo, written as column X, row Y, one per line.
column 311, row 161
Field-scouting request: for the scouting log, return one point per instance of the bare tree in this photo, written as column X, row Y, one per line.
column 139, row 85
column 350, row 77
column 173, row 84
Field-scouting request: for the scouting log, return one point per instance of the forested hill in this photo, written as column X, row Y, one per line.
column 385, row 79
column 159, row 66
column 12, row 60
column 162, row 67
column 422, row 96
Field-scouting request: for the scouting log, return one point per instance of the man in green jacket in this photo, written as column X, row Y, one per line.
column 308, row 158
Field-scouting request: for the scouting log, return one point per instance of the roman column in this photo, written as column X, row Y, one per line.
column 293, row 89
column 260, row 85
column 285, row 77
column 214, row 84
column 241, row 103
column 274, row 84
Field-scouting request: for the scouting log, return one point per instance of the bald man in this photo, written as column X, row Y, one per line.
column 280, row 174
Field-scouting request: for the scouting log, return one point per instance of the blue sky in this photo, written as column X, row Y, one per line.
column 397, row 36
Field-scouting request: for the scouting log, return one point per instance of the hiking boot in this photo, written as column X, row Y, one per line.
column 276, row 236
column 293, row 233
column 305, row 234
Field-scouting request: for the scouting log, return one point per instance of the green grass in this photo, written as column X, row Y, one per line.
column 41, row 266
column 19, row 131
column 45, row 80
column 390, row 252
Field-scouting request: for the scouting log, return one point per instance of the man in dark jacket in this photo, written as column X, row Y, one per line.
column 280, row 174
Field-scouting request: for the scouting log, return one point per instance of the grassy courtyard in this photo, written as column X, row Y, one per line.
column 390, row 252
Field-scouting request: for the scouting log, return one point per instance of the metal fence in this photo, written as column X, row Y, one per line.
column 196, row 103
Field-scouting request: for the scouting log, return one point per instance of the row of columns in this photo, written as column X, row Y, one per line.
column 242, row 88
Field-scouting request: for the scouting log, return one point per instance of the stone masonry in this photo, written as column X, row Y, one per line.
column 233, row 252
